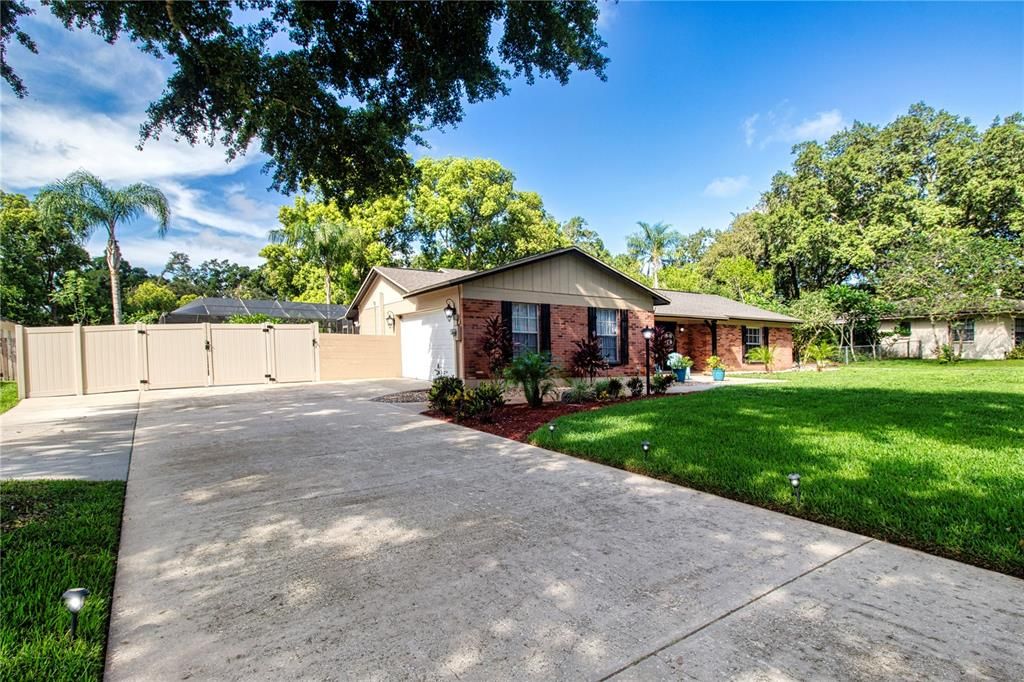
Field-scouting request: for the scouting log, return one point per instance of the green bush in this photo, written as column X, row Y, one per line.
column 254, row 318
column 661, row 382
column 948, row 355
column 1017, row 353
column 532, row 371
column 579, row 392
column 481, row 402
column 764, row 355
column 614, row 388
column 446, row 394
column 820, row 353
column 636, row 386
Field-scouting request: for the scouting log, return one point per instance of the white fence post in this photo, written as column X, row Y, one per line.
column 316, row 351
column 20, row 344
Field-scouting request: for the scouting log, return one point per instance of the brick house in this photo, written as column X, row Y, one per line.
column 548, row 302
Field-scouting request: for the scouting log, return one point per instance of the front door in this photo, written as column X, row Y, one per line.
column 669, row 327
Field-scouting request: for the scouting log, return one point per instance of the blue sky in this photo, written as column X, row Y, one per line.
column 701, row 107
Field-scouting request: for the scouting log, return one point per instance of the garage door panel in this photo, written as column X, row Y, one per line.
column 428, row 347
column 239, row 354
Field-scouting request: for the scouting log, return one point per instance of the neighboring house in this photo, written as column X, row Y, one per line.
column 986, row 335
column 211, row 309
column 549, row 301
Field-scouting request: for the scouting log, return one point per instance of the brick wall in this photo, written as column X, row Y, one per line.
column 568, row 325
column 730, row 347
column 475, row 313
column 698, row 344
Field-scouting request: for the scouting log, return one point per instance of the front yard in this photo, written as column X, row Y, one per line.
column 55, row 535
column 917, row 453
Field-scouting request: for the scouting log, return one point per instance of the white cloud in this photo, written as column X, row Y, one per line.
column 241, row 216
column 151, row 252
column 721, row 188
column 749, row 131
column 608, row 11
column 779, row 126
column 44, row 143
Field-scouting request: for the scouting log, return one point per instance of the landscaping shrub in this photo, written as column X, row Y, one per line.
column 482, row 401
column 253, row 318
column 446, row 394
column 614, row 388
column 579, row 392
column 497, row 345
column 948, row 355
column 636, row 386
column 765, row 355
column 660, row 383
column 662, row 345
column 1017, row 353
column 532, row 371
column 820, row 353
column 588, row 359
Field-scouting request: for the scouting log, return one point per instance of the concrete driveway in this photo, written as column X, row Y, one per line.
column 87, row 437
column 309, row 533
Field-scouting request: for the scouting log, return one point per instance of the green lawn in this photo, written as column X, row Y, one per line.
column 917, row 453
column 8, row 395
column 55, row 535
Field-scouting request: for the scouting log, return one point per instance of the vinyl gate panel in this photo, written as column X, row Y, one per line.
column 175, row 355
column 238, row 354
column 51, row 361
column 110, row 358
column 293, row 352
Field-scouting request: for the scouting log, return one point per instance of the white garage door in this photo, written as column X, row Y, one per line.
column 427, row 345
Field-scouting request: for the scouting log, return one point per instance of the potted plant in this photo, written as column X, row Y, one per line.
column 680, row 364
column 717, row 368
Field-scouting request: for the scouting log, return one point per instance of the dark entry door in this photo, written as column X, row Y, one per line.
column 669, row 327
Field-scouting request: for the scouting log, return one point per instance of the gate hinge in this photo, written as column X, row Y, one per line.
column 268, row 327
column 314, row 343
column 141, row 331
column 267, row 376
column 143, row 381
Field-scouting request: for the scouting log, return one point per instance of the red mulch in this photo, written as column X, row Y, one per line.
column 519, row 421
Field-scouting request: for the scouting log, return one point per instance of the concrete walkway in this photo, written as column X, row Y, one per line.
column 87, row 437
column 309, row 533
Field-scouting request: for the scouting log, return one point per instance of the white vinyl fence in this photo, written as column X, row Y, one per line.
column 74, row 360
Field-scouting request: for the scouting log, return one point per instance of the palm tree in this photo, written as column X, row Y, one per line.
column 88, row 203
column 652, row 246
column 321, row 238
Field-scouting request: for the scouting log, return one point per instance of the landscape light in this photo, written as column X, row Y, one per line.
column 648, row 334
column 551, row 427
column 74, row 600
column 794, row 481
column 646, row 447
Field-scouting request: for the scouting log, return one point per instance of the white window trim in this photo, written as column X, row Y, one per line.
column 519, row 349
column 615, row 333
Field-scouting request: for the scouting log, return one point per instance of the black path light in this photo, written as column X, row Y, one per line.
column 74, row 600
column 551, row 427
column 646, row 447
column 794, row 482
column 648, row 334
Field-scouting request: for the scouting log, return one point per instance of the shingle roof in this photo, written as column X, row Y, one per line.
column 411, row 278
column 712, row 307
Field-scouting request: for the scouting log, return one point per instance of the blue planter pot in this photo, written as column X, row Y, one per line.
column 682, row 375
column 718, row 374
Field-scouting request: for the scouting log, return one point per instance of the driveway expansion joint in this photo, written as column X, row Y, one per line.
column 717, row 619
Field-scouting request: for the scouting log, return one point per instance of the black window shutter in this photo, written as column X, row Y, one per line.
column 591, row 322
column 623, row 337
column 545, row 328
column 743, row 344
column 506, row 319
column 764, row 336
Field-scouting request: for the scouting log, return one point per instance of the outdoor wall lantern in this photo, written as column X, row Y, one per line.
column 794, row 481
column 449, row 311
column 390, row 319
column 74, row 600
column 648, row 334
column 646, row 447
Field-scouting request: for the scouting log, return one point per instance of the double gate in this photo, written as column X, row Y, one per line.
column 75, row 360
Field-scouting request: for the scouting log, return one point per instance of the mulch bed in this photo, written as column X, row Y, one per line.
column 519, row 421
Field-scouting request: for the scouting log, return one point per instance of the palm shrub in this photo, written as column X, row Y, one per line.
column 588, row 359
column 765, row 355
column 820, row 353
column 635, row 386
column 579, row 392
column 445, row 395
column 532, row 371
column 481, row 402
column 497, row 344
column 660, row 383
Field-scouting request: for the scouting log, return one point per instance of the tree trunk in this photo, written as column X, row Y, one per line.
column 655, row 266
column 327, row 284
column 114, row 265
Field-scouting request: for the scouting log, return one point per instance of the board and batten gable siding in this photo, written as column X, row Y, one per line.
column 384, row 297
column 562, row 280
